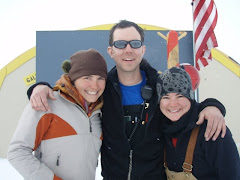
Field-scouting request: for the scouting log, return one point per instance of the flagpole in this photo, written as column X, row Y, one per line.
column 196, row 92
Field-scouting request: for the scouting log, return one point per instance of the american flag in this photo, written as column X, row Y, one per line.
column 204, row 22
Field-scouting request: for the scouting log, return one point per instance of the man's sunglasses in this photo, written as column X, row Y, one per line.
column 121, row 44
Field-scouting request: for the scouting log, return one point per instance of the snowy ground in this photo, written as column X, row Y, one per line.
column 7, row 172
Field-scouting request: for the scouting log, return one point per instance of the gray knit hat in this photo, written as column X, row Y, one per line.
column 85, row 63
column 175, row 80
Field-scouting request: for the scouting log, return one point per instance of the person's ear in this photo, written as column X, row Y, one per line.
column 110, row 51
column 143, row 50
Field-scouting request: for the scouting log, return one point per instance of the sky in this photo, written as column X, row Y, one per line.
column 21, row 19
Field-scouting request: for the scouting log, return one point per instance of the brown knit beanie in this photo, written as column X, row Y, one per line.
column 87, row 62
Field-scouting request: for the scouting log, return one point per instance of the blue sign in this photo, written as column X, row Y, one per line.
column 53, row 47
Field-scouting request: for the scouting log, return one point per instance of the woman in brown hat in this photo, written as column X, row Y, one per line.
column 64, row 143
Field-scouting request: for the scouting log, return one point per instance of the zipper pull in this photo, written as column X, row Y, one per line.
column 58, row 156
column 136, row 119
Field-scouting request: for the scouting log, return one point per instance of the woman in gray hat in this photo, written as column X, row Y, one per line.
column 66, row 141
column 187, row 154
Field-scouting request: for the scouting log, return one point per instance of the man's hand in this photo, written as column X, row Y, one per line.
column 216, row 122
column 39, row 97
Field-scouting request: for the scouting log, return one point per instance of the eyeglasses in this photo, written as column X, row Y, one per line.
column 121, row 44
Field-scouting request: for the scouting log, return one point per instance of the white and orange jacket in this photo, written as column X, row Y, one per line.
column 61, row 144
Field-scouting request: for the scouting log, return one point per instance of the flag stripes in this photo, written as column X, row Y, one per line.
column 204, row 22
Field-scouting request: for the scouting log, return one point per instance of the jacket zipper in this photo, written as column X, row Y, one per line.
column 130, row 165
column 131, row 151
column 90, row 124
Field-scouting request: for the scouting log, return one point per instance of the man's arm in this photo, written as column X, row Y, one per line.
column 30, row 90
column 213, row 111
column 38, row 95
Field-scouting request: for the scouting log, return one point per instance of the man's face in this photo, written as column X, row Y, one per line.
column 128, row 58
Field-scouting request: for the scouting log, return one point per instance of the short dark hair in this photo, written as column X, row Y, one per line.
column 125, row 24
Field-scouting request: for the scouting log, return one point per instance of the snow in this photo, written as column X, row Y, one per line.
column 7, row 172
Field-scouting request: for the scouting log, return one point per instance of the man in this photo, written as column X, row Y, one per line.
column 132, row 145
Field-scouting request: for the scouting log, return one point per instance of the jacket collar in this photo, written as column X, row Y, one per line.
column 184, row 124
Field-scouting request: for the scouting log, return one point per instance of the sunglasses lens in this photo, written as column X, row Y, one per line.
column 135, row 43
column 120, row 44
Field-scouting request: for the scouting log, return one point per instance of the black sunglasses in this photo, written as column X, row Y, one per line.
column 121, row 44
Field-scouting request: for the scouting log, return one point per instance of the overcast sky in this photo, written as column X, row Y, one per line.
column 20, row 19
